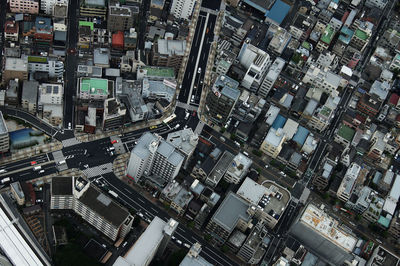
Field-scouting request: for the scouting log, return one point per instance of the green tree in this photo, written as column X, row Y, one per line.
column 207, row 237
column 224, row 248
column 136, row 221
column 190, row 224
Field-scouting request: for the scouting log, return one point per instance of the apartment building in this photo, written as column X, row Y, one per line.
column 43, row 64
column 257, row 62
column 94, row 88
column 24, row 6
column 168, row 53
column 153, row 156
column 93, row 8
column 185, row 141
column 96, row 208
column 219, row 169
column 119, row 18
column 182, row 9
column 361, row 36
column 238, row 169
column 301, row 27
column 381, row 4
column 326, row 38
column 254, row 247
column 15, row 68
column 47, row 6
column 273, row 142
column 344, row 135
column 4, row 137
column 324, row 115
column 50, row 93
column 11, row 31
column 29, row 96
column 18, row 193
column 321, row 180
column 348, row 182
column 114, row 114
column 271, row 77
column 369, row 104
column 222, row 98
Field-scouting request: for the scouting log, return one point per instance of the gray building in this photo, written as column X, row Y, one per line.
column 255, row 245
column 30, row 95
column 219, row 169
column 222, row 98
column 119, row 18
column 4, row 137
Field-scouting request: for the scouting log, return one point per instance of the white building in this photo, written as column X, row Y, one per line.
column 348, row 182
column 4, row 138
column 273, row 142
column 238, row 169
column 50, row 93
column 43, row 64
column 153, row 156
column 47, row 6
column 257, row 62
column 323, row 79
column 185, row 141
column 271, row 77
column 182, row 8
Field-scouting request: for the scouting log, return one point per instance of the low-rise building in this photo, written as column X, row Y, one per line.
column 11, row 30
column 94, row 88
column 18, row 193
column 273, row 142
column 169, row 53
column 15, row 68
column 219, row 169
column 238, row 169
column 119, row 18
column 24, row 6
column 344, row 135
column 93, row 8
column 114, row 114
column 43, row 64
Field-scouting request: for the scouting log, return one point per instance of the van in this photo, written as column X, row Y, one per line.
column 61, row 162
column 177, row 126
column 37, row 168
column 245, row 153
column 187, row 115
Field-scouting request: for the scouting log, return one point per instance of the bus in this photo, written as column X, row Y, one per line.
column 169, row 119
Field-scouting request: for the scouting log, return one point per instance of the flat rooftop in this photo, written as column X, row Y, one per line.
column 3, row 125
column 94, row 86
column 326, row 226
column 154, row 71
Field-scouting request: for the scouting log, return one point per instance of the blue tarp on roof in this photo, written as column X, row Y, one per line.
column 279, row 122
column 301, row 135
column 278, row 11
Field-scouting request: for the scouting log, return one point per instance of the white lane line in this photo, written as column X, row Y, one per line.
column 24, row 174
column 128, row 190
column 205, row 247
column 183, row 237
column 122, row 193
column 156, row 211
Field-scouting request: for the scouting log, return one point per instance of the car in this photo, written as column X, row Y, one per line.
column 177, row 126
column 41, row 171
column 186, row 245
column 140, row 215
column 124, row 244
column 222, row 139
column 173, row 238
column 39, row 200
column 194, row 113
column 266, row 166
column 153, row 127
column 179, row 242
column 187, row 115
column 246, row 153
column 199, row 70
column 192, row 99
column 114, row 141
column 103, row 245
column 69, row 125
column 86, row 166
column 33, row 162
column 237, row 143
column 282, row 173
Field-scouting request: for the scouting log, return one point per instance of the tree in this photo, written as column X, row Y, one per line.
column 207, row 237
column 190, row 224
column 136, row 221
column 224, row 248
column 325, row 196
column 222, row 130
column 358, row 217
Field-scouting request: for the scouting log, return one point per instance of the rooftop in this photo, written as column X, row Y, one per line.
column 346, row 132
column 221, row 167
column 361, row 34
column 328, row 34
column 230, row 211
column 184, row 140
column 156, row 72
column 227, row 86
column 3, row 125
column 171, row 47
column 16, row 64
column 86, row 24
column 274, row 137
column 251, row 191
column 43, row 25
column 94, row 86
column 30, row 91
column 61, row 185
column 278, row 11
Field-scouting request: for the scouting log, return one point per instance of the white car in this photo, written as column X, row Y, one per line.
column 199, row 70
column 41, row 171
column 86, row 166
column 186, row 245
column 173, row 238
column 179, row 242
column 266, row 166
column 245, row 153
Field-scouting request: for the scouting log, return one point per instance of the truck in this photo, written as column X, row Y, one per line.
column 112, row 193
column 4, row 180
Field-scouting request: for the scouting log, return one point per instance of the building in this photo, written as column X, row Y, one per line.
column 361, row 36
column 256, row 62
column 219, row 169
column 119, row 18
column 349, row 180
column 18, row 245
column 326, row 38
column 11, row 31
column 24, row 6
column 18, row 193
column 156, row 9
column 344, row 135
column 4, row 137
column 169, row 53
column 324, row 115
column 153, row 156
column 50, row 93
column 394, row 229
column 193, row 257
column 93, row 8
column 268, row 201
column 222, row 98
column 15, row 68
column 182, row 9
column 369, row 104
column 376, row 3
column 181, row 200
column 114, row 114
column 271, row 77
column 301, row 27
column 238, row 169
column 94, row 88
column 321, row 234
column 156, row 90
column 43, row 30
column 155, row 73
column 255, row 246
column 29, row 96
column 280, row 39
column 231, row 214
column 96, row 208
column 151, row 243
column 55, row 69
column 185, row 141
column 273, row 142
column 382, row 256
column 47, row 6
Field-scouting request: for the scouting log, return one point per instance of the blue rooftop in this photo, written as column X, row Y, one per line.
column 301, row 135
column 278, row 12
column 43, row 25
column 345, row 35
column 279, row 122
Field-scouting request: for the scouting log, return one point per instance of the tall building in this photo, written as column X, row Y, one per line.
column 150, row 244
column 182, row 8
column 254, row 248
column 47, row 6
column 114, row 114
column 93, row 8
column 119, row 18
column 348, row 182
column 24, row 6
column 169, row 53
column 96, row 208
column 193, row 257
column 185, row 141
column 271, row 77
column 4, row 137
column 222, row 98
column 154, row 157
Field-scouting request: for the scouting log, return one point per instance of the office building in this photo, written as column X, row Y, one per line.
column 257, row 62
column 96, row 208
column 238, row 169
column 11, row 31
column 47, row 6
column 279, row 41
column 93, row 8
column 319, row 232
column 348, row 182
column 151, row 243
column 182, row 9
column 271, row 77
column 153, row 156
column 219, row 169
column 273, row 142
column 4, row 137
column 18, row 193
column 119, row 18
column 24, row 6
column 185, row 141
column 114, row 114
column 50, row 93
column 231, row 214
column 168, row 53
column 193, row 257
column 94, row 88
column 255, row 246
column 222, row 98
column 15, row 68
column 54, row 68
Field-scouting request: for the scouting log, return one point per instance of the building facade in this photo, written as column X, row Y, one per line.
column 24, row 6
column 119, row 18
column 182, row 9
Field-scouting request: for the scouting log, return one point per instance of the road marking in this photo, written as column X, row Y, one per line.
column 205, row 247
column 183, row 237
column 156, row 211
column 128, row 190
column 24, row 174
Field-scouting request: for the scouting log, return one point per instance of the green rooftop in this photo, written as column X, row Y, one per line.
column 346, row 132
column 328, row 34
column 165, row 72
column 86, row 23
column 326, row 111
column 94, row 86
column 361, row 34
column 306, row 45
column 37, row 59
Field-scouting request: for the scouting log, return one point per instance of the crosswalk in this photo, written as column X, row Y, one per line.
column 98, row 170
column 70, row 142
